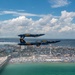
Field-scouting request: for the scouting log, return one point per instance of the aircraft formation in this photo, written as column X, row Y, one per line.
column 37, row 43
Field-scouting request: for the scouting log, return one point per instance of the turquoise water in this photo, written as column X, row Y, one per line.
column 39, row 69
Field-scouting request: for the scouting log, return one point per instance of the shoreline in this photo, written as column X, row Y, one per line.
column 42, row 63
column 39, row 59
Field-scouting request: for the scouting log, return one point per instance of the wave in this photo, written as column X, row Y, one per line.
column 8, row 43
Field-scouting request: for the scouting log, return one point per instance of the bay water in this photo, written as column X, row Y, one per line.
column 39, row 69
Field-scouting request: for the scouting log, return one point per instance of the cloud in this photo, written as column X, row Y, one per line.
column 52, row 26
column 66, row 28
column 15, row 26
column 58, row 3
column 53, row 20
column 19, row 13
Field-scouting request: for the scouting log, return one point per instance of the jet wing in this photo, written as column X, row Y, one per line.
column 30, row 35
column 53, row 41
column 49, row 42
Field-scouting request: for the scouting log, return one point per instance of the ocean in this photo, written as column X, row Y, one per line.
column 39, row 69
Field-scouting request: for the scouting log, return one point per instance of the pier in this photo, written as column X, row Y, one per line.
column 4, row 61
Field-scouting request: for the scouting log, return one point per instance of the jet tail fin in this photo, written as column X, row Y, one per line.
column 22, row 40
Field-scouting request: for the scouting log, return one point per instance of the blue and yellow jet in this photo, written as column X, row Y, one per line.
column 37, row 43
column 30, row 35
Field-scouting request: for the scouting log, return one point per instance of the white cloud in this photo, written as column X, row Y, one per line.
column 58, row 3
column 66, row 28
column 54, row 20
column 19, row 13
column 49, row 24
column 15, row 26
column 65, row 14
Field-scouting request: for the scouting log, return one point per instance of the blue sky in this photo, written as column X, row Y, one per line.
column 55, row 18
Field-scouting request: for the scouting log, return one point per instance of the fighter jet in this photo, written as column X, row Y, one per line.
column 37, row 43
column 30, row 35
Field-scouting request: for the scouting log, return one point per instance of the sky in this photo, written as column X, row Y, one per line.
column 54, row 18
